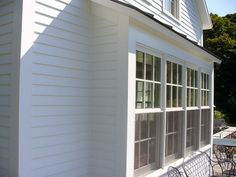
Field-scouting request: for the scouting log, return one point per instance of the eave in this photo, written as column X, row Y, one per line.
column 204, row 14
column 148, row 20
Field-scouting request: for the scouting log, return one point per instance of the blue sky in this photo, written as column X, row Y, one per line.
column 221, row 7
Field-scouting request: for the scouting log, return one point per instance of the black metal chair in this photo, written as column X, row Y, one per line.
column 225, row 159
column 174, row 172
column 199, row 166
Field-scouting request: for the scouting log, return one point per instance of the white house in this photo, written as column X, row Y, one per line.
column 103, row 88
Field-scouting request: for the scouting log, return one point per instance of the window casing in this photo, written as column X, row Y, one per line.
column 171, row 7
column 192, row 88
column 174, row 85
column 148, row 97
column 205, row 89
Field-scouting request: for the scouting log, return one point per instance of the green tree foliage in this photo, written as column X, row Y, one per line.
column 221, row 40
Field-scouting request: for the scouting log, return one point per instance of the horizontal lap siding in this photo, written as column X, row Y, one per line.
column 6, row 40
column 60, row 91
column 190, row 23
column 104, row 95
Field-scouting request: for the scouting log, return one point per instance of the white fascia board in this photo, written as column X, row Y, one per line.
column 168, row 34
column 204, row 14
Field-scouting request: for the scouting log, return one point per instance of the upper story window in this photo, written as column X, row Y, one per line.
column 171, row 7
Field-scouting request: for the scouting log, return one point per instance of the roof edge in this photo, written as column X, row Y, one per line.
column 204, row 14
column 178, row 36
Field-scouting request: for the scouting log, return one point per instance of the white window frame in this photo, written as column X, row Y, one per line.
column 171, row 108
column 175, row 17
column 152, row 110
column 191, row 87
column 205, row 90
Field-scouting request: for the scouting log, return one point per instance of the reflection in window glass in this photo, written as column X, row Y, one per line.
column 148, row 95
column 149, row 67
column 174, row 85
column 205, row 90
column 140, row 65
column 157, row 67
column 145, row 147
column 139, row 94
column 148, row 76
column 192, row 87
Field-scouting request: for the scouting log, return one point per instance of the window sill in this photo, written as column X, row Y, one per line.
column 192, row 108
column 205, row 107
column 170, row 16
column 149, row 110
column 174, row 109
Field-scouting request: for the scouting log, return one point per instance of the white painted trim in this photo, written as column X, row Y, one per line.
column 15, row 79
column 176, row 39
column 204, row 14
column 25, row 100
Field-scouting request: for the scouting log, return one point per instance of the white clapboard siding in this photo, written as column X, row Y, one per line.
column 104, row 92
column 189, row 23
column 6, row 40
column 60, row 89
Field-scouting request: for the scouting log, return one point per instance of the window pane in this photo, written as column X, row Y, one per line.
column 174, row 93
column 170, row 122
column 157, row 92
column 168, row 95
column 157, row 69
column 152, row 150
column 196, row 79
column 192, row 78
column 192, row 97
column 144, row 126
column 149, row 67
column 152, row 125
column 140, row 65
column 168, row 72
column 188, row 76
column 170, row 145
column 139, row 94
column 179, row 74
column 176, row 142
column 196, row 96
column 188, row 138
column 137, row 127
column 136, row 156
column 148, row 95
column 207, row 80
column 174, row 73
column 179, row 97
column 173, row 7
column 143, row 153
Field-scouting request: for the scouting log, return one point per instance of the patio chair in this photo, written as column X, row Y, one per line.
column 174, row 172
column 224, row 157
column 199, row 166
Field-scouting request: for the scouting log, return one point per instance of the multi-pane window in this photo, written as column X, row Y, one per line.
column 205, row 124
column 171, row 6
column 174, row 85
column 148, row 80
column 191, row 132
column 146, row 129
column 205, row 89
column 192, row 87
column 173, row 127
